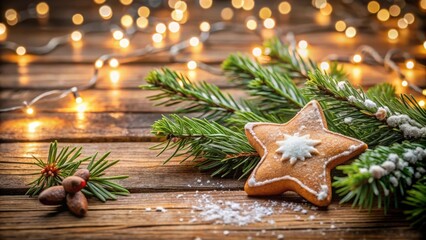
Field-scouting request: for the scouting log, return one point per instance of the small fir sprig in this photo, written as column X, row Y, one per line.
column 56, row 168
column 65, row 164
column 216, row 148
column 101, row 186
column 416, row 202
column 203, row 98
column 383, row 174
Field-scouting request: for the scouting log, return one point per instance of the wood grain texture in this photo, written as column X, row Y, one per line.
column 119, row 119
column 146, row 170
column 127, row 218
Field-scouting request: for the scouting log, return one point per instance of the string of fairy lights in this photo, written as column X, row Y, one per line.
column 138, row 19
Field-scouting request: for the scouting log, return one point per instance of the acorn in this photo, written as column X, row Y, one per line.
column 73, row 184
column 77, row 203
column 83, row 173
column 52, row 196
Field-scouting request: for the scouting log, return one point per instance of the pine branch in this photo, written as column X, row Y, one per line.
column 221, row 150
column 416, row 200
column 263, row 82
column 198, row 98
column 101, row 186
column 383, row 175
column 400, row 114
column 62, row 165
column 288, row 60
column 55, row 168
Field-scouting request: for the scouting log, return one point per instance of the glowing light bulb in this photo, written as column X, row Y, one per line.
column 303, row 44
column 157, row 37
column 160, row 28
column 126, row 21
column 78, row 100
column 206, row 3
column 421, row 103
column 248, row 5
column 77, row 19
column 142, row 22
column 340, row 26
column 117, row 35
column 29, row 110
column 177, row 15
column 227, row 14
column 257, row 52
column 326, row 10
column 194, row 41
column 205, row 26
column 113, row 62
column 105, row 11
column 284, row 7
column 21, row 50
column 143, row 12
column 265, row 13
column 174, row 27
column 373, row 7
column 192, row 65
column 269, row 23
column 181, row 5
column 124, row 43
column 422, row 4
column 404, row 83
column 325, row 66
column 42, row 9
column 357, row 58
column 76, row 36
column 251, row 24
column 383, row 15
column 393, row 34
column 2, row 28
column 409, row 64
column 11, row 16
column 410, row 18
column 126, row 2
column 402, row 23
column 394, row 10
column 81, row 108
column 99, row 64
column 350, row 32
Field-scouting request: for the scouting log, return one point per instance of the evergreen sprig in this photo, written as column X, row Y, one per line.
column 276, row 90
column 65, row 164
column 55, row 168
column 382, row 174
column 416, row 201
column 216, row 148
column 203, row 98
column 101, row 186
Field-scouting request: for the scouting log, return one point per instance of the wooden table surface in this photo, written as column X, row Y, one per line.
column 118, row 119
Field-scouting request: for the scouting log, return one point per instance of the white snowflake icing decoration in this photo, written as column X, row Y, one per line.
column 295, row 147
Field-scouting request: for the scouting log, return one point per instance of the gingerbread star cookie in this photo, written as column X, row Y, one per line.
column 298, row 156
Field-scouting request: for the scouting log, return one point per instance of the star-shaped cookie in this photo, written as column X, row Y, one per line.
column 298, row 156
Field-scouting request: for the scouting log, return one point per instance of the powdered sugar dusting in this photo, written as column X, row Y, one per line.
column 208, row 209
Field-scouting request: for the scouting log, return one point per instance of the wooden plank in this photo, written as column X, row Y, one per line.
column 218, row 47
column 127, row 218
column 98, row 101
column 75, row 127
column 38, row 76
column 62, row 76
column 146, row 170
